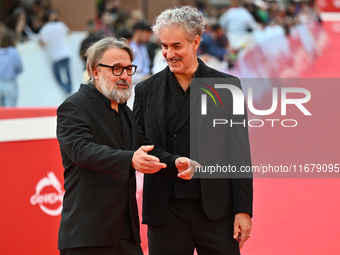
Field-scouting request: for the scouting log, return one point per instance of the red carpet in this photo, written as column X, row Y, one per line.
column 328, row 65
column 300, row 215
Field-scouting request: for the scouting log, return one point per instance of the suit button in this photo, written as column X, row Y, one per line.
column 175, row 135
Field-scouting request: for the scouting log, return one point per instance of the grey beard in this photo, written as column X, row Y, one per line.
column 119, row 96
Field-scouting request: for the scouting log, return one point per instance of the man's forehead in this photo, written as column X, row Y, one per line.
column 173, row 34
column 116, row 55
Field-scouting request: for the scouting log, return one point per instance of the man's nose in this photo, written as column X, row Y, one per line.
column 170, row 54
column 124, row 75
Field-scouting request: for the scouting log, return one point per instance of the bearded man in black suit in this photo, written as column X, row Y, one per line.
column 101, row 148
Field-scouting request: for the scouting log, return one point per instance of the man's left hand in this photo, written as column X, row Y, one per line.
column 242, row 227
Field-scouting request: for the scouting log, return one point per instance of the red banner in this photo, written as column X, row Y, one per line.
column 31, row 186
column 329, row 5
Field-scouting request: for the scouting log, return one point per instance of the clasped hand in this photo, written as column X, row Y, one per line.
column 186, row 167
column 149, row 164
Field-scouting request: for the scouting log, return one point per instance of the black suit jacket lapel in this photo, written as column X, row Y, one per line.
column 159, row 97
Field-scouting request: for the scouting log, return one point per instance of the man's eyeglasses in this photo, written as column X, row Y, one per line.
column 118, row 70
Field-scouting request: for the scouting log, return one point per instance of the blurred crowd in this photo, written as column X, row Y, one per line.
column 25, row 21
column 225, row 24
column 231, row 29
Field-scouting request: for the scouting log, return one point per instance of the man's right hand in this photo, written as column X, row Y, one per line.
column 145, row 163
column 186, row 167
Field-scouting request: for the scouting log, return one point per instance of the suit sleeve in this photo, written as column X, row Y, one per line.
column 242, row 188
column 77, row 144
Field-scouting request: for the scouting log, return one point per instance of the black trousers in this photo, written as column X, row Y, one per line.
column 187, row 227
column 124, row 247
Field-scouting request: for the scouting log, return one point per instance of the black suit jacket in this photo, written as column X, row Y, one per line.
column 100, row 184
column 220, row 197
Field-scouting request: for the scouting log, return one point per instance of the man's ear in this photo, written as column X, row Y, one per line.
column 197, row 41
column 95, row 73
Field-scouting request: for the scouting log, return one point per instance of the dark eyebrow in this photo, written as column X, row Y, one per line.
column 119, row 64
column 174, row 44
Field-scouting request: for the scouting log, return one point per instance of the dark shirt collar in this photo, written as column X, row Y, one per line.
column 197, row 73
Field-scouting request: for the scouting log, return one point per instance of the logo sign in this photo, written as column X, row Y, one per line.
column 49, row 195
column 204, row 97
column 238, row 100
column 224, row 95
